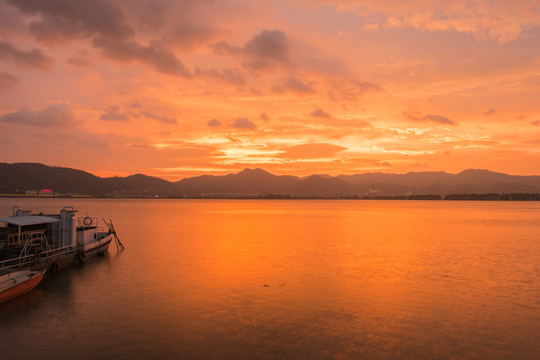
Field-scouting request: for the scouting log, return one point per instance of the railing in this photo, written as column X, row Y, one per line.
column 38, row 260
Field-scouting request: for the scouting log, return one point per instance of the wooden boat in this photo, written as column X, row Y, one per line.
column 16, row 283
column 36, row 241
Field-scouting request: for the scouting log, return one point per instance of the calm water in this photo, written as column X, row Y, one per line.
column 290, row 280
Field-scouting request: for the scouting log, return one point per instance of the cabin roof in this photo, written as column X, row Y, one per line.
column 29, row 220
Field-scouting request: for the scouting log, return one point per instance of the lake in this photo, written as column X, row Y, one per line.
column 289, row 279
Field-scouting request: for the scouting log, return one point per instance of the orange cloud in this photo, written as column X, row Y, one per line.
column 312, row 151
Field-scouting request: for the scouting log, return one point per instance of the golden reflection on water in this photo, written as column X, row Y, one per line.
column 316, row 279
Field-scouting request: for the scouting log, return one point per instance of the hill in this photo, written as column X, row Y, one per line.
column 21, row 178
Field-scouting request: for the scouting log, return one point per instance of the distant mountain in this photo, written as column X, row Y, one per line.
column 20, row 178
column 252, row 182
column 442, row 183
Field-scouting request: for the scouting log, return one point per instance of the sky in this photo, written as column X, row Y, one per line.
column 181, row 88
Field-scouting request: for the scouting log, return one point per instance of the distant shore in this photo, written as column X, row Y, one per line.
column 449, row 197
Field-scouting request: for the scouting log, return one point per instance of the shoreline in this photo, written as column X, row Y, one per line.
column 449, row 197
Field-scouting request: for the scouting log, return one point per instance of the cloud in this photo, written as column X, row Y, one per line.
column 502, row 21
column 489, row 112
column 264, row 51
column 62, row 20
column 417, row 116
column 214, row 123
column 114, row 115
column 293, row 84
column 439, row 119
column 312, row 151
column 364, row 86
column 188, row 36
column 163, row 119
column 80, row 61
column 267, row 49
column 57, row 115
column 154, row 16
column 242, row 123
column 264, row 117
column 7, row 81
column 156, row 54
column 536, row 123
column 297, row 85
column 137, row 105
column 231, row 76
column 340, row 90
column 320, row 113
column 34, row 58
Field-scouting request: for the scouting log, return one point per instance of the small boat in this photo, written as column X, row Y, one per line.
column 16, row 283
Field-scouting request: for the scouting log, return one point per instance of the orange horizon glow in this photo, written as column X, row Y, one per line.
column 183, row 88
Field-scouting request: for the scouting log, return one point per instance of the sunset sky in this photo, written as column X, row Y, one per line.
column 181, row 88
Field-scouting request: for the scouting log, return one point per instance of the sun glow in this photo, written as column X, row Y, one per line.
column 392, row 86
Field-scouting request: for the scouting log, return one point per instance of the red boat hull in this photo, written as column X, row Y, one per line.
column 21, row 288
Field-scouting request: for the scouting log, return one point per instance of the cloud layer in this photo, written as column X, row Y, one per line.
column 291, row 86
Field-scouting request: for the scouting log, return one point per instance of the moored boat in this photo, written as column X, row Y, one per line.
column 90, row 240
column 53, row 241
column 16, row 283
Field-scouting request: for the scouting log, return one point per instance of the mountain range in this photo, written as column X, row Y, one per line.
column 21, row 178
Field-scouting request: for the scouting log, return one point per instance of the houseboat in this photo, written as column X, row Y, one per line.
column 51, row 241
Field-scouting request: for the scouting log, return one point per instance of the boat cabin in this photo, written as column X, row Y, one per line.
column 38, row 232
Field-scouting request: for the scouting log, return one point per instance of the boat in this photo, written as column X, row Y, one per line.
column 16, row 283
column 90, row 240
column 50, row 241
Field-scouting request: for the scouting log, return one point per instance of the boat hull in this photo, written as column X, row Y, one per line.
column 18, row 283
column 97, row 247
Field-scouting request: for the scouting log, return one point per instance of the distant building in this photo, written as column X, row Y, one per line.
column 31, row 192
column 45, row 192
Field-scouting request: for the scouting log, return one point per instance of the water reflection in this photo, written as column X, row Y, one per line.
column 299, row 279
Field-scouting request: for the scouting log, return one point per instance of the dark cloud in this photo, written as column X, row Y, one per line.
column 214, row 123
column 114, row 114
column 187, row 36
column 439, row 119
column 34, row 58
column 340, row 90
column 266, row 50
column 223, row 48
column 156, row 54
column 7, row 81
column 137, row 105
column 231, row 76
column 489, row 112
column 536, row 123
column 365, row 86
column 57, row 115
column 64, row 19
column 80, row 61
column 320, row 113
column 242, row 123
column 264, row 116
column 417, row 116
column 163, row 119
column 154, row 16
column 293, row 84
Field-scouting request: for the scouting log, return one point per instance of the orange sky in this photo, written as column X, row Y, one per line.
column 180, row 88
